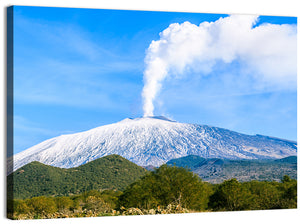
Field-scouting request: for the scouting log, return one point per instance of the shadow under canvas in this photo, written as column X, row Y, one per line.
column 9, row 111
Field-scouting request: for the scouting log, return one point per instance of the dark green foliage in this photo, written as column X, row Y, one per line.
column 110, row 172
column 289, row 192
column 189, row 162
column 232, row 195
column 266, row 194
column 165, row 190
column 91, row 190
column 167, row 185
column 289, row 159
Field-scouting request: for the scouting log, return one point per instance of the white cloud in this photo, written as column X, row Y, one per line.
column 267, row 53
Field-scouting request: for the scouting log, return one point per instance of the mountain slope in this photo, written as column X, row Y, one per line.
column 217, row 170
column 153, row 141
column 109, row 172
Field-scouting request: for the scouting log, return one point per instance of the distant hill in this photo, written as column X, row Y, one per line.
column 290, row 159
column 217, row 170
column 109, row 172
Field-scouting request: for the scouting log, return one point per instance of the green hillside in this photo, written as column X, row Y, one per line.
column 290, row 159
column 165, row 190
column 187, row 162
column 217, row 170
column 110, row 172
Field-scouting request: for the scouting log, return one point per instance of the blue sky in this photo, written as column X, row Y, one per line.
column 76, row 69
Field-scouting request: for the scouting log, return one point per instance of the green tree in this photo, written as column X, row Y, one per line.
column 111, row 197
column 21, row 207
column 42, row 205
column 96, row 204
column 288, row 188
column 63, row 203
column 266, row 194
column 286, row 179
column 167, row 185
column 231, row 196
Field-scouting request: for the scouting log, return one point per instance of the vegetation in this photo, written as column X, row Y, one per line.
column 89, row 204
column 232, row 195
column 110, row 172
column 167, row 185
column 165, row 190
column 218, row 170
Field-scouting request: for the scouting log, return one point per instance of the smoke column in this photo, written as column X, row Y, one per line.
column 268, row 51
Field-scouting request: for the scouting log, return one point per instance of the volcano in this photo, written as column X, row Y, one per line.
column 153, row 141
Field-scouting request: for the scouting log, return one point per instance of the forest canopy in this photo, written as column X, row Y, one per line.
column 167, row 189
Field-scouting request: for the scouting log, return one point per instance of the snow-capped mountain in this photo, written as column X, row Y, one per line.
column 153, row 141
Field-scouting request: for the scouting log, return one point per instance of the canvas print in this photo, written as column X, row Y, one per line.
column 119, row 112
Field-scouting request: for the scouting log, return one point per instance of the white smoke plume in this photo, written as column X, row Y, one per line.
column 269, row 51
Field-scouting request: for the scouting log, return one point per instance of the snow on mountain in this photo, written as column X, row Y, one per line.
column 153, row 141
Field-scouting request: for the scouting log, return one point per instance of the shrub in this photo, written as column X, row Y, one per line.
column 42, row 205
column 231, row 196
column 63, row 203
column 167, row 185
